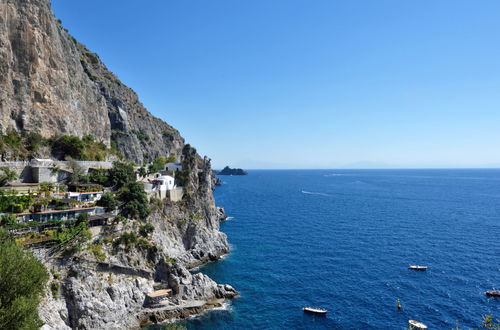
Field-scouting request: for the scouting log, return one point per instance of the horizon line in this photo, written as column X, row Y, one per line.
column 371, row 169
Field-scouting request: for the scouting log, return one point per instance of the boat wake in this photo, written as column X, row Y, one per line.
column 229, row 218
column 315, row 193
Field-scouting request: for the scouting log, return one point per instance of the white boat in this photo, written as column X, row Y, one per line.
column 493, row 293
column 412, row 324
column 416, row 267
column 314, row 310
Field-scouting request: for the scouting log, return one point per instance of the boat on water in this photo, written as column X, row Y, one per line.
column 412, row 324
column 416, row 267
column 311, row 310
column 493, row 293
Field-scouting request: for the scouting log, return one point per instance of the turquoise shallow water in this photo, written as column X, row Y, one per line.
column 342, row 240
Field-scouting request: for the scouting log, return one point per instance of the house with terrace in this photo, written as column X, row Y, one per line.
column 163, row 187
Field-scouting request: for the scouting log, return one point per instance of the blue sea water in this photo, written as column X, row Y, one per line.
column 342, row 240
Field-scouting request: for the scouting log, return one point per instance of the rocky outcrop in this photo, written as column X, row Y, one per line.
column 52, row 84
column 232, row 171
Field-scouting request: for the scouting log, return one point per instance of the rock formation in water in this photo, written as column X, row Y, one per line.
column 232, row 171
column 52, row 84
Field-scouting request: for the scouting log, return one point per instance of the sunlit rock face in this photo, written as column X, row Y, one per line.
column 52, row 84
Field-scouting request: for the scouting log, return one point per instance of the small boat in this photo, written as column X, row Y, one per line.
column 412, row 324
column 493, row 293
column 314, row 310
column 415, row 267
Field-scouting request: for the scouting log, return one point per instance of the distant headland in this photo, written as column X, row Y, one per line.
column 232, row 171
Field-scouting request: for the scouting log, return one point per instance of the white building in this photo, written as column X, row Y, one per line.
column 92, row 196
column 164, row 183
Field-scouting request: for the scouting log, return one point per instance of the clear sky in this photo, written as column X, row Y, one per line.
column 310, row 84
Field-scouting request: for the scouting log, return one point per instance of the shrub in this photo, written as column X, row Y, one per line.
column 22, row 280
column 181, row 177
column 68, row 146
column 171, row 158
column 146, row 229
column 8, row 220
column 119, row 219
column 170, row 261
column 127, row 239
column 54, row 288
column 7, row 176
column 108, row 201
column 97, row 252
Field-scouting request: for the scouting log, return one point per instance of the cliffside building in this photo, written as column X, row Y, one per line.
column 163, row 186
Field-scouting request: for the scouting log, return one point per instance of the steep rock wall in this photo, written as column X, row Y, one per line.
column 50, row 83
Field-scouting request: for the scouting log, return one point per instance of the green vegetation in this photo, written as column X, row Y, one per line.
column 144, row 244
column 13, row 203
column 25, row 145
column 490, row 323
column 135, row 200
column 99, row 176
column 157, row 165
column 65, row 234
column 22, row 145
column 92, row 57
column 77, row 172
column 121, row 174
column 8, row 220
column 68, row 146
column 108, row 201
column 146, row 229
column 96, row 250
column 182, row 177
column 140, row 136
column 127, row 239
column 142, row 171
column 7, row 176
column 22, row 280
column 170, row 261
column 171, row 158
column 54, row 288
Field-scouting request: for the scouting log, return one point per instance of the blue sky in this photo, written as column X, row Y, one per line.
column 310, row 84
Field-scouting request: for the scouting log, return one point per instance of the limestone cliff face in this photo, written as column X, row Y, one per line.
column 52, row 84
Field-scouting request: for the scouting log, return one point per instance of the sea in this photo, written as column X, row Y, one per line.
column 343, row 239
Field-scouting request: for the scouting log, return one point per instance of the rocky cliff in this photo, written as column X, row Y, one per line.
column 51, row 84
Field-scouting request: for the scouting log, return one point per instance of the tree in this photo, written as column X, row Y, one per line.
column 142, row 171
column 121, row 174
column 136, row 201
column 77, row 172
column 108, row 201
column 99, row 176
column 7, row 176
column 22, row 280
column 157, row 165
